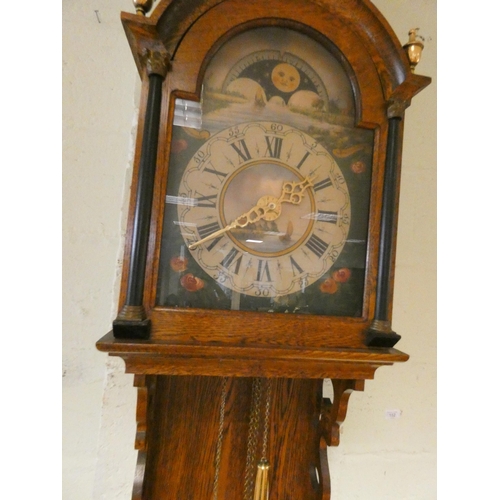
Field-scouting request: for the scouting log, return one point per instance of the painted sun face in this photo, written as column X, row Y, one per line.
column 285, row 77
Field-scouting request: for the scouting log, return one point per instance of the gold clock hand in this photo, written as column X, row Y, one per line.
column 268, row 208
column 213, row 235
column 293, row 192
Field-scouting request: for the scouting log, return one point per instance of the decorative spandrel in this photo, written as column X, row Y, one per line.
column 268, row 195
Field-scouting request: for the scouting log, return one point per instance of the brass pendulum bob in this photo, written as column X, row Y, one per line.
column 262, row 481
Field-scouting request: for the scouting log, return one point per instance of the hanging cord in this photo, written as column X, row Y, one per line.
column 218, row 453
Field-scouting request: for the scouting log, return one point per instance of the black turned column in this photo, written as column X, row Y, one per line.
column 380, row 333
column 131, row 321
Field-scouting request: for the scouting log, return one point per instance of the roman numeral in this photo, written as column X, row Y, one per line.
column 220, row 175
column 317, row 246
column 322, row 184
column 206, row 201
column 295, row 266
column 324, row 216
column 242, row 150
column 214, row 242
column 262, row 270
column 273, row 146
column 208, row 229
column 230, row 258
column 306, row 156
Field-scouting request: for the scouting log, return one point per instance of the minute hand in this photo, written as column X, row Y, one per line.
column 267, row 207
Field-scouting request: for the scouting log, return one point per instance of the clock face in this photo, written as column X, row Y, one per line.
column 264, row 209
column 267, row 201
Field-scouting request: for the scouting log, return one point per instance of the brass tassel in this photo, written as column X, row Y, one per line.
column 262, row 481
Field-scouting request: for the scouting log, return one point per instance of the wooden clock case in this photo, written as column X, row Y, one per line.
column 184, row 359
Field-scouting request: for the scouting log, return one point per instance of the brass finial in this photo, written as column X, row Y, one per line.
column 413, row 48
column 142, row 7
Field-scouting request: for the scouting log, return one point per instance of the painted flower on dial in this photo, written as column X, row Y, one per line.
column 178, row 264
column 358, row 167
column 329, row 286
column 191, row 283
column 179, row 145
column 341, row 275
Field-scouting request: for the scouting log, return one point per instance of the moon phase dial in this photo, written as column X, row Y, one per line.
column 280, row 76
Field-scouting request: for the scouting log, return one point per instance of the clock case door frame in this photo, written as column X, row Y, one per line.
column 217, row 341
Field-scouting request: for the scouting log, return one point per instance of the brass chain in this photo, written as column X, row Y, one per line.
column 253, row 436
column 218, row 453
column 255, row 425
column 265, row 436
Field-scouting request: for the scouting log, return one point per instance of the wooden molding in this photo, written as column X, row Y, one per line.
column 162, row 358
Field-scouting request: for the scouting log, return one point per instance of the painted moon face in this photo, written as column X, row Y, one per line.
column 285, row 77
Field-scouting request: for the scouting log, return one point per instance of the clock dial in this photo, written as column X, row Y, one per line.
column 285, row 197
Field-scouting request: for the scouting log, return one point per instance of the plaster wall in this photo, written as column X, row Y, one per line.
column 379, row 457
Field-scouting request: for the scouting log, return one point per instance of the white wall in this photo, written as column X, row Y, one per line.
column 378, row 458
column 100, row 79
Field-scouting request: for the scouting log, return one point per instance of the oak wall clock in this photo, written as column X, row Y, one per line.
column 259, row 256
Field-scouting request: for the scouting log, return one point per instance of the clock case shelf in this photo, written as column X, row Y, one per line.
column 164, row 358
column 179, row 357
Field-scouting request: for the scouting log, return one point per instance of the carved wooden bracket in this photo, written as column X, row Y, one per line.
column 324, row 471
column 145, row 393
column 333, row 414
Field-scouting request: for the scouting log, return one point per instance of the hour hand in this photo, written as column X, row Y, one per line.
column 293, row 192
